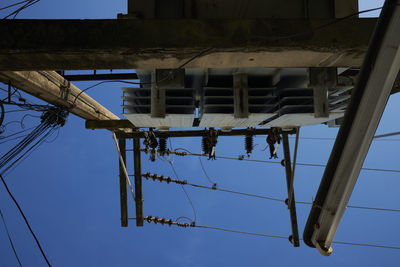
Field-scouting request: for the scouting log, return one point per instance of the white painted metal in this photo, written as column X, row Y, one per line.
column 170, row 120
column 301, row 119
column 226, row 121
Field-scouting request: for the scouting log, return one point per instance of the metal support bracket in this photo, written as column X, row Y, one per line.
column 321, row 80
column 240, row 93
column 162, row 79
column 123, row 173
column 294, row 238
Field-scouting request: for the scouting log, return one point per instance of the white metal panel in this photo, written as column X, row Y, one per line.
column 229, row 121
column 301, row 119
column 170, row 120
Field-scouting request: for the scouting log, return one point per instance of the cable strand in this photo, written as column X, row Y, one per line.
column 25, row 219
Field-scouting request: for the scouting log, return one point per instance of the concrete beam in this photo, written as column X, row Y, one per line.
column 54, row 89
column 150, row 44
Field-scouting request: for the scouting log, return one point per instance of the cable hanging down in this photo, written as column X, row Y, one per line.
column 52, row 119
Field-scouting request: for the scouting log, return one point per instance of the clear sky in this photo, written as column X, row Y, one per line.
column 69, row 191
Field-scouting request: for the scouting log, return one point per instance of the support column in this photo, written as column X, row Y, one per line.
column 291, row 204
column 122, row 184
column 138, row 182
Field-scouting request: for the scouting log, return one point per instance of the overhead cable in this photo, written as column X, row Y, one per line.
column 274, row 162
column 163, row 221
column 9, row 238
column 167, row 179
column 25, row 219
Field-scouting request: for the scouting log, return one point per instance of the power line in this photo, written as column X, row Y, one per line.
column 318, row 28
column 365, row 245
column 284, row 237
column 236, row 192
column 164, row 221
column 240, row 232
column 9, row 238
column 27, row 4
column 301, row 164
column 184, row 190
column 375, row 138
column 205, row 173
column 168, row 180
column 25, row 219
column 14, row 4
column 387, row 135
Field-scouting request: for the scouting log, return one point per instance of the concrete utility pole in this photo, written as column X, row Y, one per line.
column 54, row 89
column 168, row 43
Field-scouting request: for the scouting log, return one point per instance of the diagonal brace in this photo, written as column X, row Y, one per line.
column 294, row 238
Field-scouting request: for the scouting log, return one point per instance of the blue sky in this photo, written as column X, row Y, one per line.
column 69, row 191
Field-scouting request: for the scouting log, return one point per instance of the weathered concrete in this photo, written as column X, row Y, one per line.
column 54, row 89
column 147, row 44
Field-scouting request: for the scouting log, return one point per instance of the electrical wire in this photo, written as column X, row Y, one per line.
column 25, row 219
column 277, row 162
column 387, row 135
column 193, row 225
column 171, row 163
column 51, row 120
column 282, row 200
column 25, row 6
column 375, row 138
column 186, row 193
column 304, row 164
column 2, row 113
column 240, row 232
column 99, row 83
column 15, row 138
column 215, row 188
column 318, row 28
column 236, row 192
column 5, row 137
column 9, row 238
column 205, row 173
column 356, row 207
column 284, row 237
column 2, row 8
column 140, row 83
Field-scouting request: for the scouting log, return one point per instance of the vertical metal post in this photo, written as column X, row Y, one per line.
column 122, row 183
column 240, row 93
column 138, row 181
column 322, row 80
column 289, row 181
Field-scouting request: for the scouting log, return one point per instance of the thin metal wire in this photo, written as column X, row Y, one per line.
column 186, row 193
column 304, row 164
column 356, row 207
column 365, row 245
column 236, row 192
column 240, row 232
column 9, row 238
column 25, row 219
column 205, row 173
column 283, row 237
